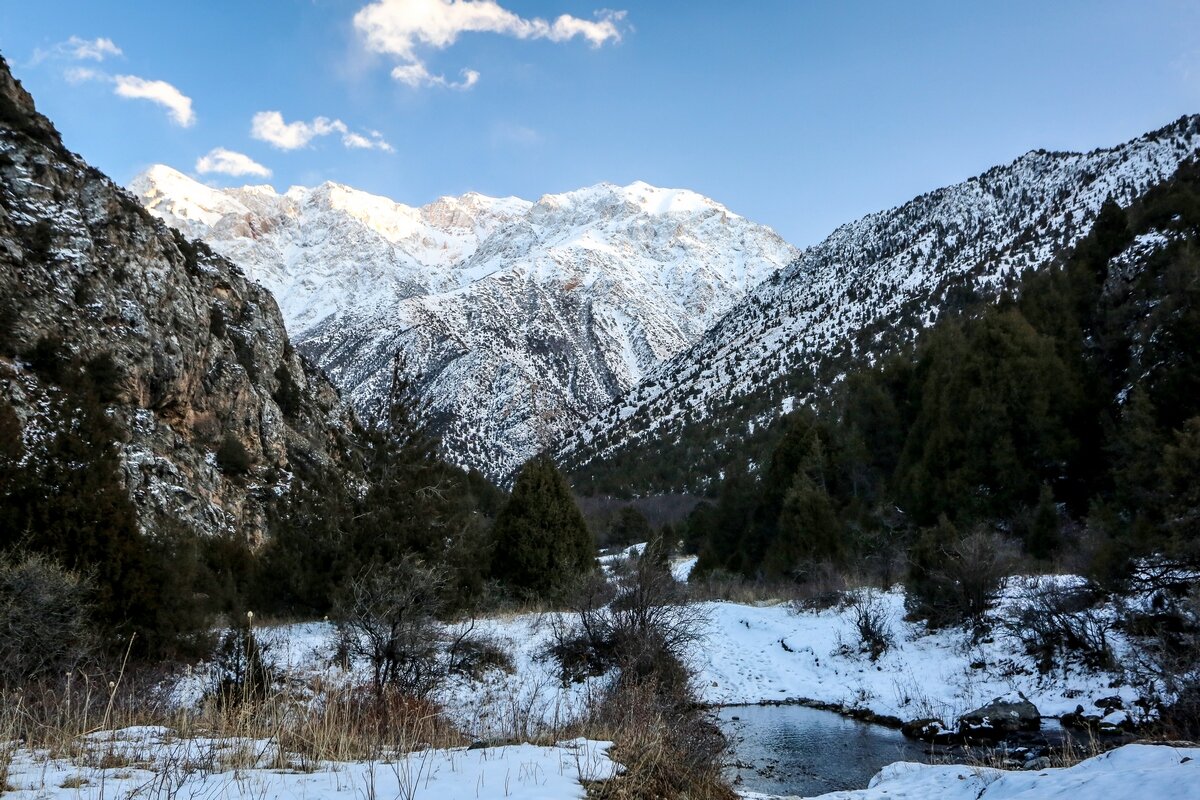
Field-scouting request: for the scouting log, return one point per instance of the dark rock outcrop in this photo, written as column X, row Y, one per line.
column 1002, row 716
column 201, row 355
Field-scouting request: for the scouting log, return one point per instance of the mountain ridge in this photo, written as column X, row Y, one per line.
column 196, row 357
column 865, row 289
column 518, row 319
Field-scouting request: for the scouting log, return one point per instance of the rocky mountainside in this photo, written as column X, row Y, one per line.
column 200, row 357
column 870, row 286
column 518, row 320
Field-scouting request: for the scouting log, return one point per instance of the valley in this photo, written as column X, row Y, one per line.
column 612, row 492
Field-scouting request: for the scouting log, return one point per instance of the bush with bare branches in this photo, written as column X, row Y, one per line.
column 638, row 628
column 45, row 631
column 1055, row 622
column 1167, row 664
column 872, row 623
column 955, row 579
column 640, row 624
column 388, row 616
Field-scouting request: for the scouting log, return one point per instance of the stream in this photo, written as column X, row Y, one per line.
column 796, row 750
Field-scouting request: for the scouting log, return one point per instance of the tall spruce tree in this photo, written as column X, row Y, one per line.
column 417, row 503
column 541, row 542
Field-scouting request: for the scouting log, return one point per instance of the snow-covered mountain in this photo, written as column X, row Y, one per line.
column 871, row 284
column 520, row 320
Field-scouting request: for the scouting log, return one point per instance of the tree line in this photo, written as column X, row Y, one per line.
column 161, row 586
column 1067, row 412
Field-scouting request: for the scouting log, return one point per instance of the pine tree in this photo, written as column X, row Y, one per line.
column 541, row 542
column 65, row 499
column 809, row 530
column 416, row 504
column 1180, row 471
column 1044, row 537
column 629, row 527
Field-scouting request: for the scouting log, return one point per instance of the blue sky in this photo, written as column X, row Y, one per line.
column 802, row 115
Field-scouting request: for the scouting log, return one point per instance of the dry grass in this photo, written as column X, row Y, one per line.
column 1068, row 754
column 281, row 730
column 667, row 750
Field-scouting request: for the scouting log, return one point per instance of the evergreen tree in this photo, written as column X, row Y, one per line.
column 1181, row 476
column 629, row 527
column 416, row 503
column 809, row 530
column 541, row 542
column 1044, row 537
column 65, row 498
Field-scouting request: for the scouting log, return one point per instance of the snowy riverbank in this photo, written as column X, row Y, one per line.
column 1150, row 771
column 748, row 654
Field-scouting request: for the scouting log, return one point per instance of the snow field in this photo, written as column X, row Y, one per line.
column 1135, row 770
column 150, row 762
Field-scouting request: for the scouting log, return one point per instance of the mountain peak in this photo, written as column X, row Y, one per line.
column 517, row 319
column 180, row 200
column 646, row 199
column 867, row 290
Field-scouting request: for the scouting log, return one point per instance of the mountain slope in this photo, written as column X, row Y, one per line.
column 518, row 320
column 200, row 359
column 869, row 286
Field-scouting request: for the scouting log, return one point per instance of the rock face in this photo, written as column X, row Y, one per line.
column 519, row 320
column 202, row 353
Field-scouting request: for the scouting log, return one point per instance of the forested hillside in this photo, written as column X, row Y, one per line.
column 1065, row 416
column 863, row 293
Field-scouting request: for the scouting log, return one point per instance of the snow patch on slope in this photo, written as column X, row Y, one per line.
column 519, row 320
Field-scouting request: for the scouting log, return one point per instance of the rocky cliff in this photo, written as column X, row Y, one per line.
column 202, row 359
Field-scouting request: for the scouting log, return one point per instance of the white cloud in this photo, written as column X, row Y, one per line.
column 373, row 140
column 228, row 162
column 80, row 49
column 81, row 74
column 93, row 49
column 400, row 27
column 269, row 127
column 416, row 76
column 164, row 94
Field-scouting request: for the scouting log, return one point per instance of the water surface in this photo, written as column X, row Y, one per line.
column 794, row 750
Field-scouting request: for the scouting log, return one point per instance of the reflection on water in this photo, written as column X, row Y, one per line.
column 793, row 750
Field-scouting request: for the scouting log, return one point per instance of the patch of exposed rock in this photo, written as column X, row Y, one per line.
column 201, row 351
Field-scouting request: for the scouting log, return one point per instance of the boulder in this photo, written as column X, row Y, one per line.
column 926, row 729
column 1002, row 716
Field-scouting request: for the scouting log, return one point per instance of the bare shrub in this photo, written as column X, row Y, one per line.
column 1055, row 622
column 872, row 623
column 44, row 626
column 719, row 584
column 388, row 616
column 820, row 585
column 473, row 656
column 639, row 629
column 666, row 746
column 9, row 737
column 640, row 625
column 1167, row 665
column 955, row 580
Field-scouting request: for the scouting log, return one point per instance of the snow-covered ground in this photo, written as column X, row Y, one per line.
column 151, row 762
column 770, row 653
column 1135, row 770
column 748, row 654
